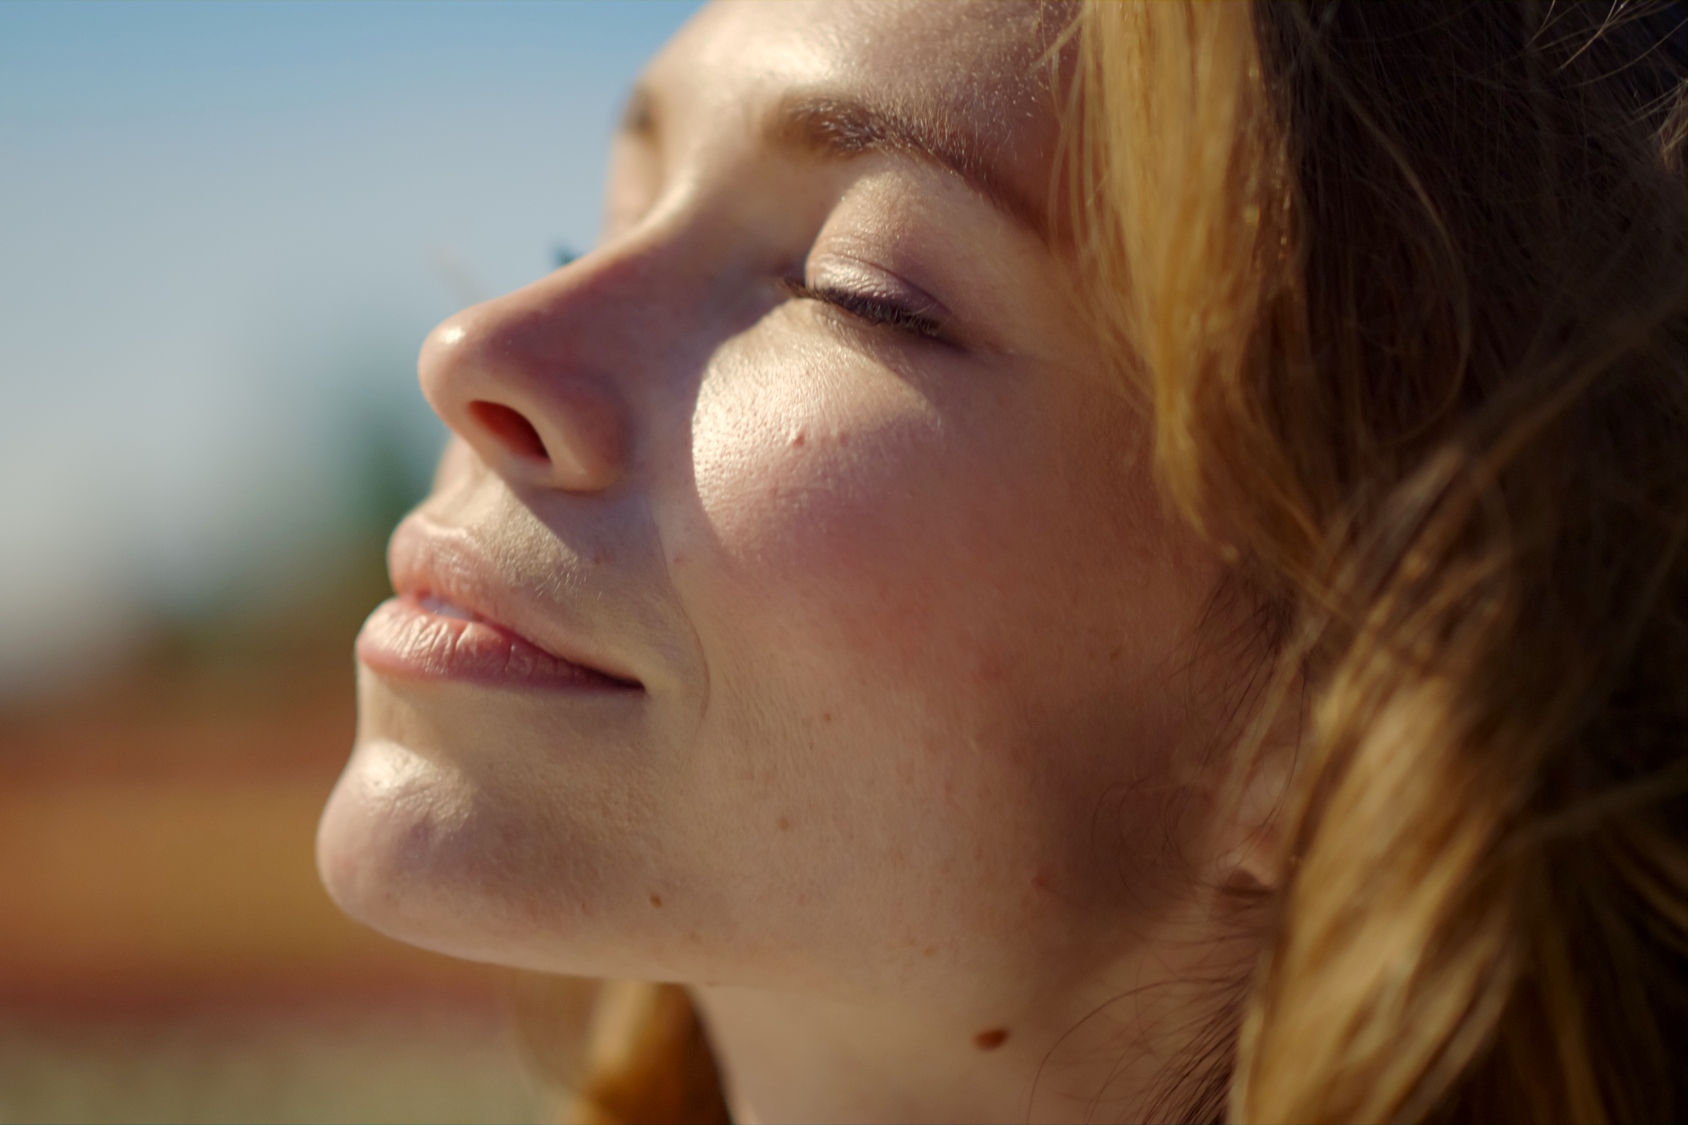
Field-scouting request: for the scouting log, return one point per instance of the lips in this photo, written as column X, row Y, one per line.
column 451, row 621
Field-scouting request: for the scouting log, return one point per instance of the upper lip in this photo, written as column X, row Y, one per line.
column 425, row 558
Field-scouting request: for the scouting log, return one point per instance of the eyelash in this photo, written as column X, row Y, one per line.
column 873, row 310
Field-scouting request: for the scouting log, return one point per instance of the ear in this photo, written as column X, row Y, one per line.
column 1251, row 815
column 1251, row 860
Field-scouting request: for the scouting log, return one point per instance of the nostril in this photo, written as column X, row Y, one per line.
column 509, row 427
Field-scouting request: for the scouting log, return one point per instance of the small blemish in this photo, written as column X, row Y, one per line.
column 784, row 824
column 929, row 951
column 990, row 1040
column 826, row 716
column 799, row 438
column 656, row 900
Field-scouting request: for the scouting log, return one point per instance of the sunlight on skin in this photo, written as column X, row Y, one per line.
column 815, row 448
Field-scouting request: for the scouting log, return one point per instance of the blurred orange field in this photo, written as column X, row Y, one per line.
column 176, row 860
column 166, row 951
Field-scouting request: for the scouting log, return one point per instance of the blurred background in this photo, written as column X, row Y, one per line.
column 224, row 230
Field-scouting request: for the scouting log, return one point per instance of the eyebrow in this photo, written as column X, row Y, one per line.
column 838, row 127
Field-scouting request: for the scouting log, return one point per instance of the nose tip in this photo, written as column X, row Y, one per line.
column 534, row 422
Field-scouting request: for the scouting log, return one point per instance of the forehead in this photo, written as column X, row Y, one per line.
column 982, row 66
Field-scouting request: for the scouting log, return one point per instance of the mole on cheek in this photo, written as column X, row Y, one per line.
column 656, row 900
column 990, row 1040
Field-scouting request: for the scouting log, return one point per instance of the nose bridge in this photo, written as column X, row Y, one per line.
column 542, row 381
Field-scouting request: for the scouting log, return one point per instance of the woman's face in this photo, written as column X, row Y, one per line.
column 793, row 607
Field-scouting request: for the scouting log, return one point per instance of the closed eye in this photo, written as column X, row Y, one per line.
column 873, row 310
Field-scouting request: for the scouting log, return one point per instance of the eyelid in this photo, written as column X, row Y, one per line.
column 873, row 296
column 833, row 273
column 874, row 310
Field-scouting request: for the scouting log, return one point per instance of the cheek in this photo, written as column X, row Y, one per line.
column 830, row 508
column 932, row 624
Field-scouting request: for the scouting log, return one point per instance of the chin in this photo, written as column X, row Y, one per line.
column 470, row 849
column 407, row 847
column 390, row 849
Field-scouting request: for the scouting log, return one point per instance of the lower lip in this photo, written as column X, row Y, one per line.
column 406, row 639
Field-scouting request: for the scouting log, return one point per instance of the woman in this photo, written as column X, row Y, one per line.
column 1120, row 564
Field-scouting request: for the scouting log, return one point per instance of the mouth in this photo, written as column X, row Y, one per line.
column 442, row 625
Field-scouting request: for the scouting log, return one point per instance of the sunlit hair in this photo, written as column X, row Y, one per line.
column 1405, row 289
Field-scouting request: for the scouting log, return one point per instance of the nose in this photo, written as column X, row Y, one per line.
column 512, row 380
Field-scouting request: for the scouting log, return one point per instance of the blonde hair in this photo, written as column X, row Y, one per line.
column 1405, row 291
column 648, row 1061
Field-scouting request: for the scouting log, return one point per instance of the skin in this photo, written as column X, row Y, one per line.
column 913, row 794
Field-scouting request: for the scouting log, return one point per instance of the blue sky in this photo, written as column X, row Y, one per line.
column 224, row 229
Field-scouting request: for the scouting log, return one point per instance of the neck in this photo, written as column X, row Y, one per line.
column 1106, row 1051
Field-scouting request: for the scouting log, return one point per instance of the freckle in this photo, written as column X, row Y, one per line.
column 694, row 938
column 784, row 825
column 656, row 900
column 990, row 1040
column 929, row 951
column 826, row 716
column 843, row 438
column 598, row 559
